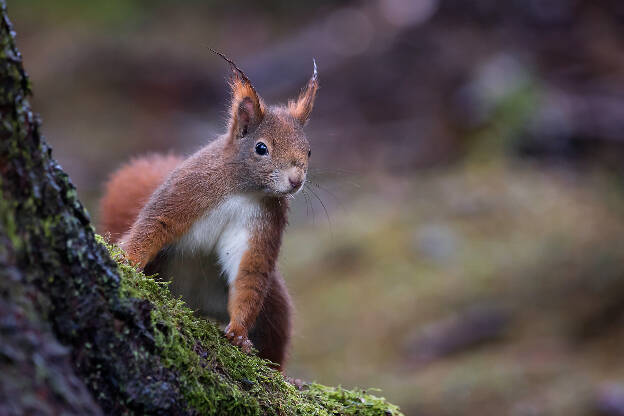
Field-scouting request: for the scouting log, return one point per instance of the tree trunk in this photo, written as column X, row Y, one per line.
column 58, row 283
column 83, row 334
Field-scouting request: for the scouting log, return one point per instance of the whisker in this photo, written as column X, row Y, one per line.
column 311, row 205
column 337, row 178
column 327, row 170
column 335, row 197
column 325, row 189
column 324, row 208
column 307, row 200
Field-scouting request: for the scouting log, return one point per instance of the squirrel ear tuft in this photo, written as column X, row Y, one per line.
column 302, row 107
column 247, row 108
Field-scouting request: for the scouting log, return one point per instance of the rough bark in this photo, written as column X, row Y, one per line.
column 54, row 270
column 81, row 333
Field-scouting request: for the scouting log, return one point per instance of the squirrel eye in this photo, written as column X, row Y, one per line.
column 309, row 153
column 261, row 149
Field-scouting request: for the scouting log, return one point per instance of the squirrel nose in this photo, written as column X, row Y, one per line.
column 295, row 176
column 295, row 181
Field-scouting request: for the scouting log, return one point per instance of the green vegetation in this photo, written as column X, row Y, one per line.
column 216, row 377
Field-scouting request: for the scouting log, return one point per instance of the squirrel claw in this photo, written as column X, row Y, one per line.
column 238, row 337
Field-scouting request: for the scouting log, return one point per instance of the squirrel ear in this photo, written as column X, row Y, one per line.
column 302, row 107
column 247, row 110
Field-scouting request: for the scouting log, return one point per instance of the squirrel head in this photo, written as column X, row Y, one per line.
column 268, row 144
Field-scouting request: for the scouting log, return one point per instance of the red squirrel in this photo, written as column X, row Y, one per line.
column 229, row 199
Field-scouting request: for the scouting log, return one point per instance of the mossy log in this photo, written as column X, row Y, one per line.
column 81, row 332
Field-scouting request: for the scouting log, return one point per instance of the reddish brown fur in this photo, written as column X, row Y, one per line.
column 271, row 333
column 186, row 193
column 301, row 108
column 243, row 93
column 256, row 270
column 152, row 202
column 128, row 189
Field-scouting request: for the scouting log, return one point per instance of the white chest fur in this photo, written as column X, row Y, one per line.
column 224, row 231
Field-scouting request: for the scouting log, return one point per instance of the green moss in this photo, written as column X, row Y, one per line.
column 7, row 221
column 337, row 400
column 217, row 378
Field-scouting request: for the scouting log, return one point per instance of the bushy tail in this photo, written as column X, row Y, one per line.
column 128, row 189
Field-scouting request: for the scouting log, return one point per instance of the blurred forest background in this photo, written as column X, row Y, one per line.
column 468, row 153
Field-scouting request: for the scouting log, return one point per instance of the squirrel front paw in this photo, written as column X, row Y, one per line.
column 134, row 259
column 237, row 335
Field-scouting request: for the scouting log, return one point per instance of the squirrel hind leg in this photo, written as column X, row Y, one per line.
column 272, row 331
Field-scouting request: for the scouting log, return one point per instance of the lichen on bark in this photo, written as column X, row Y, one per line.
column 82, row 333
